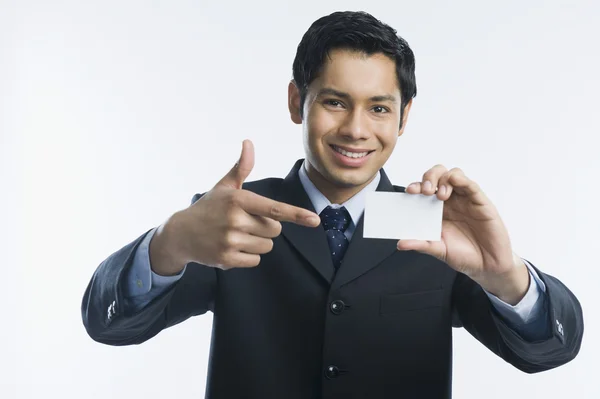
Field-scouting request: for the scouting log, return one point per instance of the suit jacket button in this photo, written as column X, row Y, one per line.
column 332, row 372
column 337, row 306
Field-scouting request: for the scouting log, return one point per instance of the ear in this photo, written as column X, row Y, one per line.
column 294, row 103
column 405, row 117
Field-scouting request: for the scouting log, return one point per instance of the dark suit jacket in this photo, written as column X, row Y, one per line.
column 379, row 328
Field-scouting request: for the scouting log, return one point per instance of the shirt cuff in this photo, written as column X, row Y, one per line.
column 530, row 306
column 141, row 278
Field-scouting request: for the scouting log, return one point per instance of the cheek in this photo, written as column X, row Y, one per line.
column 319, row 124
column 388, row 138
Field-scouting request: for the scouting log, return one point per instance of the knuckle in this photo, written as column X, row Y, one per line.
column 298, row 216
column 234, row 219
column 229, row 240
column 275, row 212
column 434, row 171
column 233, row 199
column 236, row 222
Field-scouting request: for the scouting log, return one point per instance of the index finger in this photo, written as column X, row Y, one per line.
column 258, row 205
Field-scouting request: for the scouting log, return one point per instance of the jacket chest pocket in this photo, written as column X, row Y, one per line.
column 396, row 303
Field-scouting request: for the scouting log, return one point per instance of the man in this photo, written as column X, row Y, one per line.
column 304, row 306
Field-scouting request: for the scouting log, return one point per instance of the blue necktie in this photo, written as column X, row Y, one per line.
column 335, row 222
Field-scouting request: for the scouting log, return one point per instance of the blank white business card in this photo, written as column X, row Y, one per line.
column 403, row 216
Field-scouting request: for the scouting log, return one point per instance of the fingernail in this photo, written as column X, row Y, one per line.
column 442, row 190
column 427, row 186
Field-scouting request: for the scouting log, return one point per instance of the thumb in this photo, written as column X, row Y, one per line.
column 240, row 171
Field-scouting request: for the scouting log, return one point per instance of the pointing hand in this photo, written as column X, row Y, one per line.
column 229, row 227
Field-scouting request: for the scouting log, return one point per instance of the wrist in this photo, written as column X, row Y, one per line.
column 510, row 286
column 163, row 254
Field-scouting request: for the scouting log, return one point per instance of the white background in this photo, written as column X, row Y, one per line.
column 113, row 114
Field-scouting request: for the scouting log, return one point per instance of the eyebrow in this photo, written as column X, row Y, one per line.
column 329, row 91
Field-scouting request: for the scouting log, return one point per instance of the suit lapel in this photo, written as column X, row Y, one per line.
column 363, row 254
column 310, row 242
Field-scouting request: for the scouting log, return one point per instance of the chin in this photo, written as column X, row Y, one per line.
column 350, row 178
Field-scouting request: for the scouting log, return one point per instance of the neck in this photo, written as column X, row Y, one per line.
column 336, row 194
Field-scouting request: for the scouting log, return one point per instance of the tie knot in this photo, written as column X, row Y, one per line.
column 335, row 219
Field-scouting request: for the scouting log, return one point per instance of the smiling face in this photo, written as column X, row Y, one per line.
column 351, row 121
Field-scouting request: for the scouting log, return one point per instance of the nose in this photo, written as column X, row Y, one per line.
column 354, row 126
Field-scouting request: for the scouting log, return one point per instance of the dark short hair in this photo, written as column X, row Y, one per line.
column 358, row 31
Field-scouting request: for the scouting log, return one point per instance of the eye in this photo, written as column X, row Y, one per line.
column 380, row 110
column 334, row 103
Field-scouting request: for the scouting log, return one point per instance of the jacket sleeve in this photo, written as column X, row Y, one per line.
column 107, row 319
column 473, row 311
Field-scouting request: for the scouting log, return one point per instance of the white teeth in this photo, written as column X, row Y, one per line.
column 350, row 154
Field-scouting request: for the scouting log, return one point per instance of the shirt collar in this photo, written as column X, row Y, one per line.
column 355, row 205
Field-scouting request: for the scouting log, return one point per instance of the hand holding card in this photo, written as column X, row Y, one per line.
column 473, row 239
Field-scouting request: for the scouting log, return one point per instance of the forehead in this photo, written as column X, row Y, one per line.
column 358, row 74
